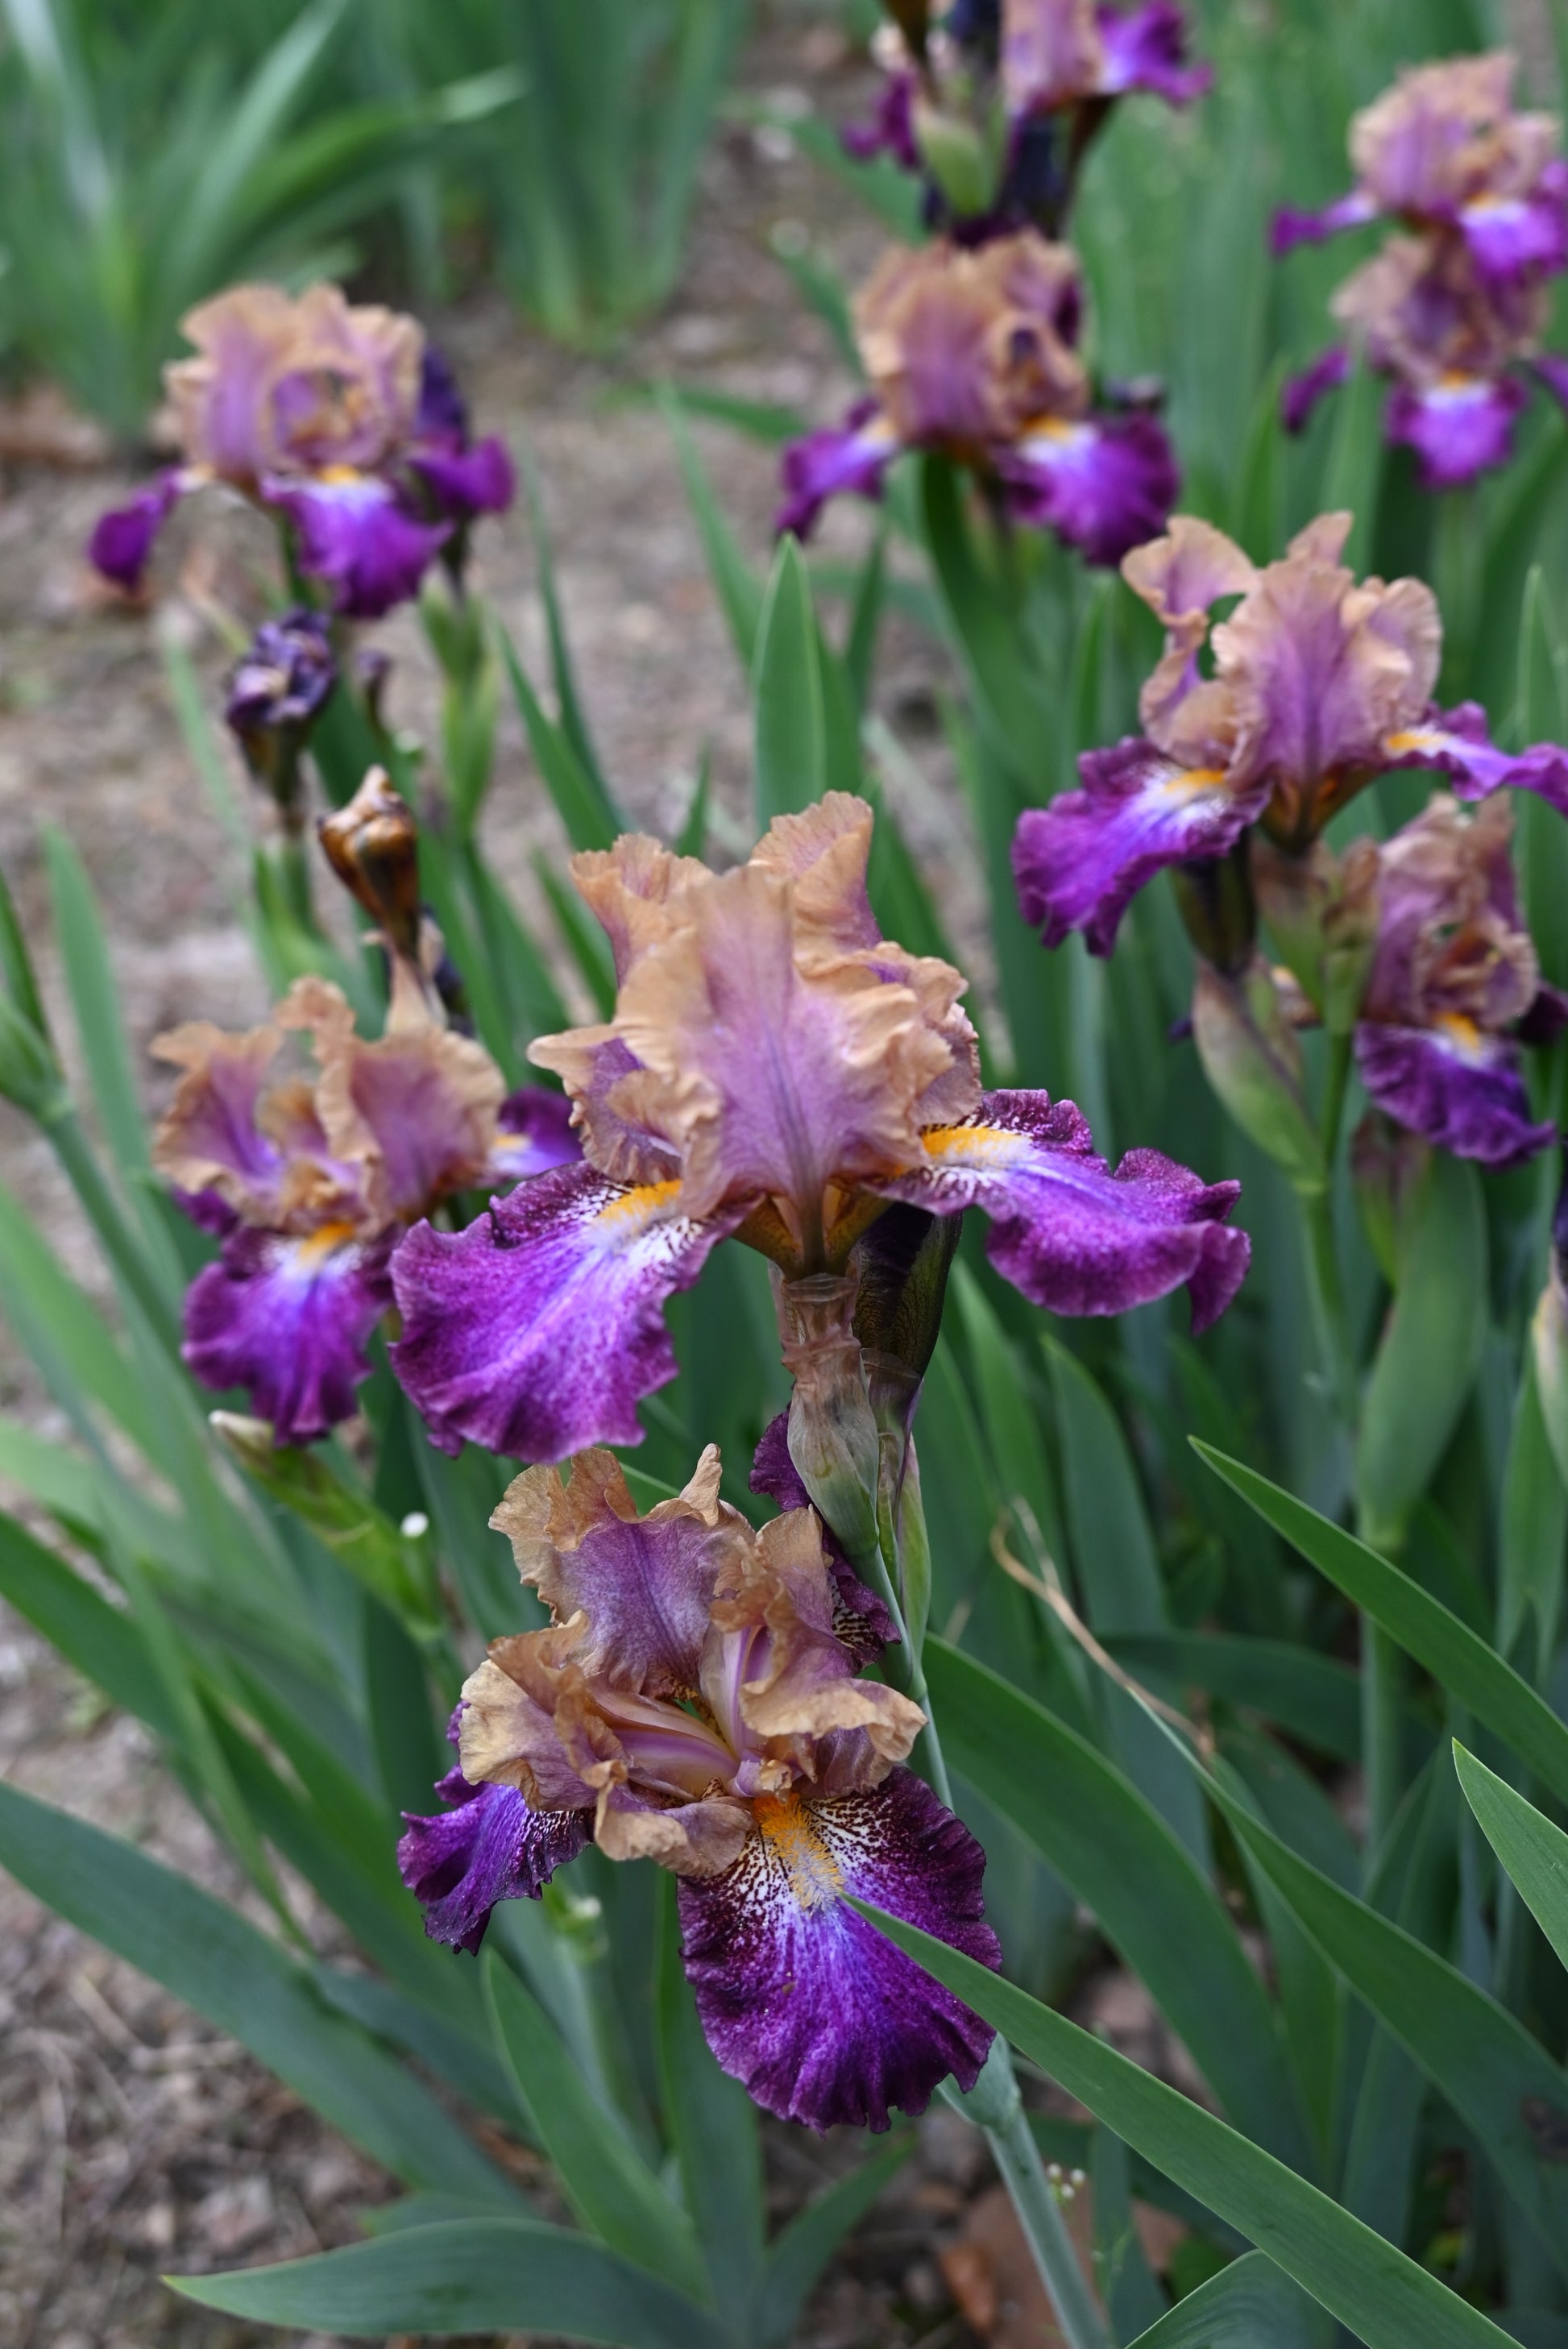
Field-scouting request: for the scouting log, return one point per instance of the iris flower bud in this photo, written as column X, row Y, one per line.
column 277, row 690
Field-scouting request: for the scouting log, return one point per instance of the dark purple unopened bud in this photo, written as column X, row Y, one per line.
column 443, row 411
column 902, row 1266
column 1215, row 895
column 277, row 690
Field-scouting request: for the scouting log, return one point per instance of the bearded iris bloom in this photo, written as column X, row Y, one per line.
column 338, row 418
column 777, row 1070
column 1452, row 312
column 974, row 354
column 1319, row 681
column 1054, row 67
column 1455, row 989
column 691, row 1704
column 1445, row 151
column 310, row 1184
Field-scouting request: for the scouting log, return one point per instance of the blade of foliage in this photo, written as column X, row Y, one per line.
column 1312, row 1696
column 1470, row 1671
column 568, row 701
column 1249, row 2305
column 466, row 2276
column 1386, row 2300
column 1472, row 2050
column 712, row 2125
column 103, row 1641
column 1534, row 1535
column 1533, row 1851
column 741, row 594
column 605, row 2181
column 208, row 1955
column 580, row 796
column 1124, row 1862
column 798, row 2255
column 791, row 747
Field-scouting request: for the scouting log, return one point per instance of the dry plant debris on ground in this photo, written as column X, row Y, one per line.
column 133, row 2138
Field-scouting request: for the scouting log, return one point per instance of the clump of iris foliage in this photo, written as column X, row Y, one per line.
column 760, row 1433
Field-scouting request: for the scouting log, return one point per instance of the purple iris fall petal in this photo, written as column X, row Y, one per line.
column 1068, row 1232
column 1146, row 50
column 1460, row 1088
column 1103, row 483
column 488, row 1847
column 122, row 539
column 288, row 1319
column 1456, row 743
column 539, row 1329
column 534, row 1134
column 1512, row 237
column 849, row 457
column 816, row 2011
column 1079, row 863
column 1458, row 428
column 467, row 482
column 1290, row 228
column 354, row 535
column 1300, row 394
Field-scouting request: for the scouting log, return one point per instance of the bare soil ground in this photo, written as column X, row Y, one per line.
column 133, row 2139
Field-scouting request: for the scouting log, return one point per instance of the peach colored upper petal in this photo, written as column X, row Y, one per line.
column 629, row 888
column 1180, row 577
column 824, row 851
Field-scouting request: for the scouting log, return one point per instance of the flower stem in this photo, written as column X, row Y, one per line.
column 995, row 2106
column 1326, row 1300
column 120, row 1245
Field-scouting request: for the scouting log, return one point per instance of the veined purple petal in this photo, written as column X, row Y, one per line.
column 1146, row 50
column 1290, row 227
column 488, row 1847
column 813, row 2009
column 288, row 1319
column 851, row 456
column 354, row 534
column 535, row 1134
column 539, row 1329
column 1455, row 742
column 1105, row 484
column 1065, row 1230
column 468, row 482
column 1299, row 394
column 208, row 1210
column 1515, row 237
column 1079, row 863
column 122, row 539
column 1459, row 1087
column 1458, row 428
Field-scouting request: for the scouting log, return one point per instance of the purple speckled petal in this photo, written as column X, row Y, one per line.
column 1072, row 1235
column 1458, row 428
column 122, row 539
column 1079, row 863
column 467, row 482
column 355, row 536
column 851, row 456
column 1146, row 50
column 813, row 2009
column 1290, row 228
column 1460, row 1088
column 538, row 1330
column 1105, row 484
column 1513, row 238
column 488, row 1847
column 1300, row 394
column 288, row 1319
column 535, row 1134
column 1456, row 743
column 859, row 1618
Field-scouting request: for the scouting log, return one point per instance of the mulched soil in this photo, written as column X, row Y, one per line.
column 133, row 2138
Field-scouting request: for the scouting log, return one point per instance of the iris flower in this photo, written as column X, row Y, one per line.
column 975, row 355
column 342, row 420
column 1054, row 67
column 1316, row 683
column 1453, row 311
column 691, row 1704
column 776, row 1071
column 1455, row 987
